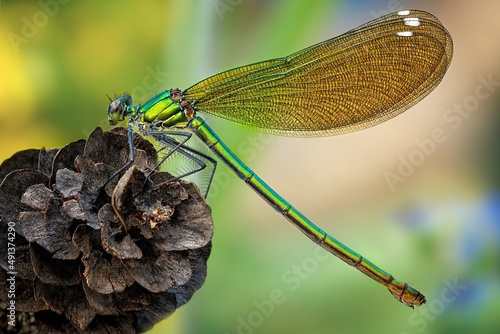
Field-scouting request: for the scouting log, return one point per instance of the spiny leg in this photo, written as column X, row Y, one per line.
column 211, row 170
column 200, row 160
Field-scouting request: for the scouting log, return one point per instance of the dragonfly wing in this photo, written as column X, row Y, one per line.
column 361, row 78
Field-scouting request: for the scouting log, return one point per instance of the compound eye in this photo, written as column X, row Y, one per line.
column 118, row 109
column 115, row 106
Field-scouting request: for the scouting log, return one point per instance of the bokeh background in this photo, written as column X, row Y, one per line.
column 437, row 228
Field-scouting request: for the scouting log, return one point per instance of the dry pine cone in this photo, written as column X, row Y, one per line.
column 85, row 263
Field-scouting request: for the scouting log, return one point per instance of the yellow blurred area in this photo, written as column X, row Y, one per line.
column 17, row 95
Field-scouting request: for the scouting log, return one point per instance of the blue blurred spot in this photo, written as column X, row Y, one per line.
column 416, row 217
column 492, row 212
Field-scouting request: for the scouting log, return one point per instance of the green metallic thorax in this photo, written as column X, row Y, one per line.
column 162, row 111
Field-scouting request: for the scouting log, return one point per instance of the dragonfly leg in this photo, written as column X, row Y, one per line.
column 200, row 160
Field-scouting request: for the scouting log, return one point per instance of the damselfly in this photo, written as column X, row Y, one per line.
column 361, row 78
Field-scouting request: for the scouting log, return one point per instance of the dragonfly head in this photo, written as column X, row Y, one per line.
column 119, row 108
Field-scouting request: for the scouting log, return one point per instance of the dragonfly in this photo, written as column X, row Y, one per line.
column 350, row 82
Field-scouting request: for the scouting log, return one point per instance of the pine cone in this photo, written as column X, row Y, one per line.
column 93, row 260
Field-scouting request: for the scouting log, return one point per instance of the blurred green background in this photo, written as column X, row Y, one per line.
column 439, row 230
